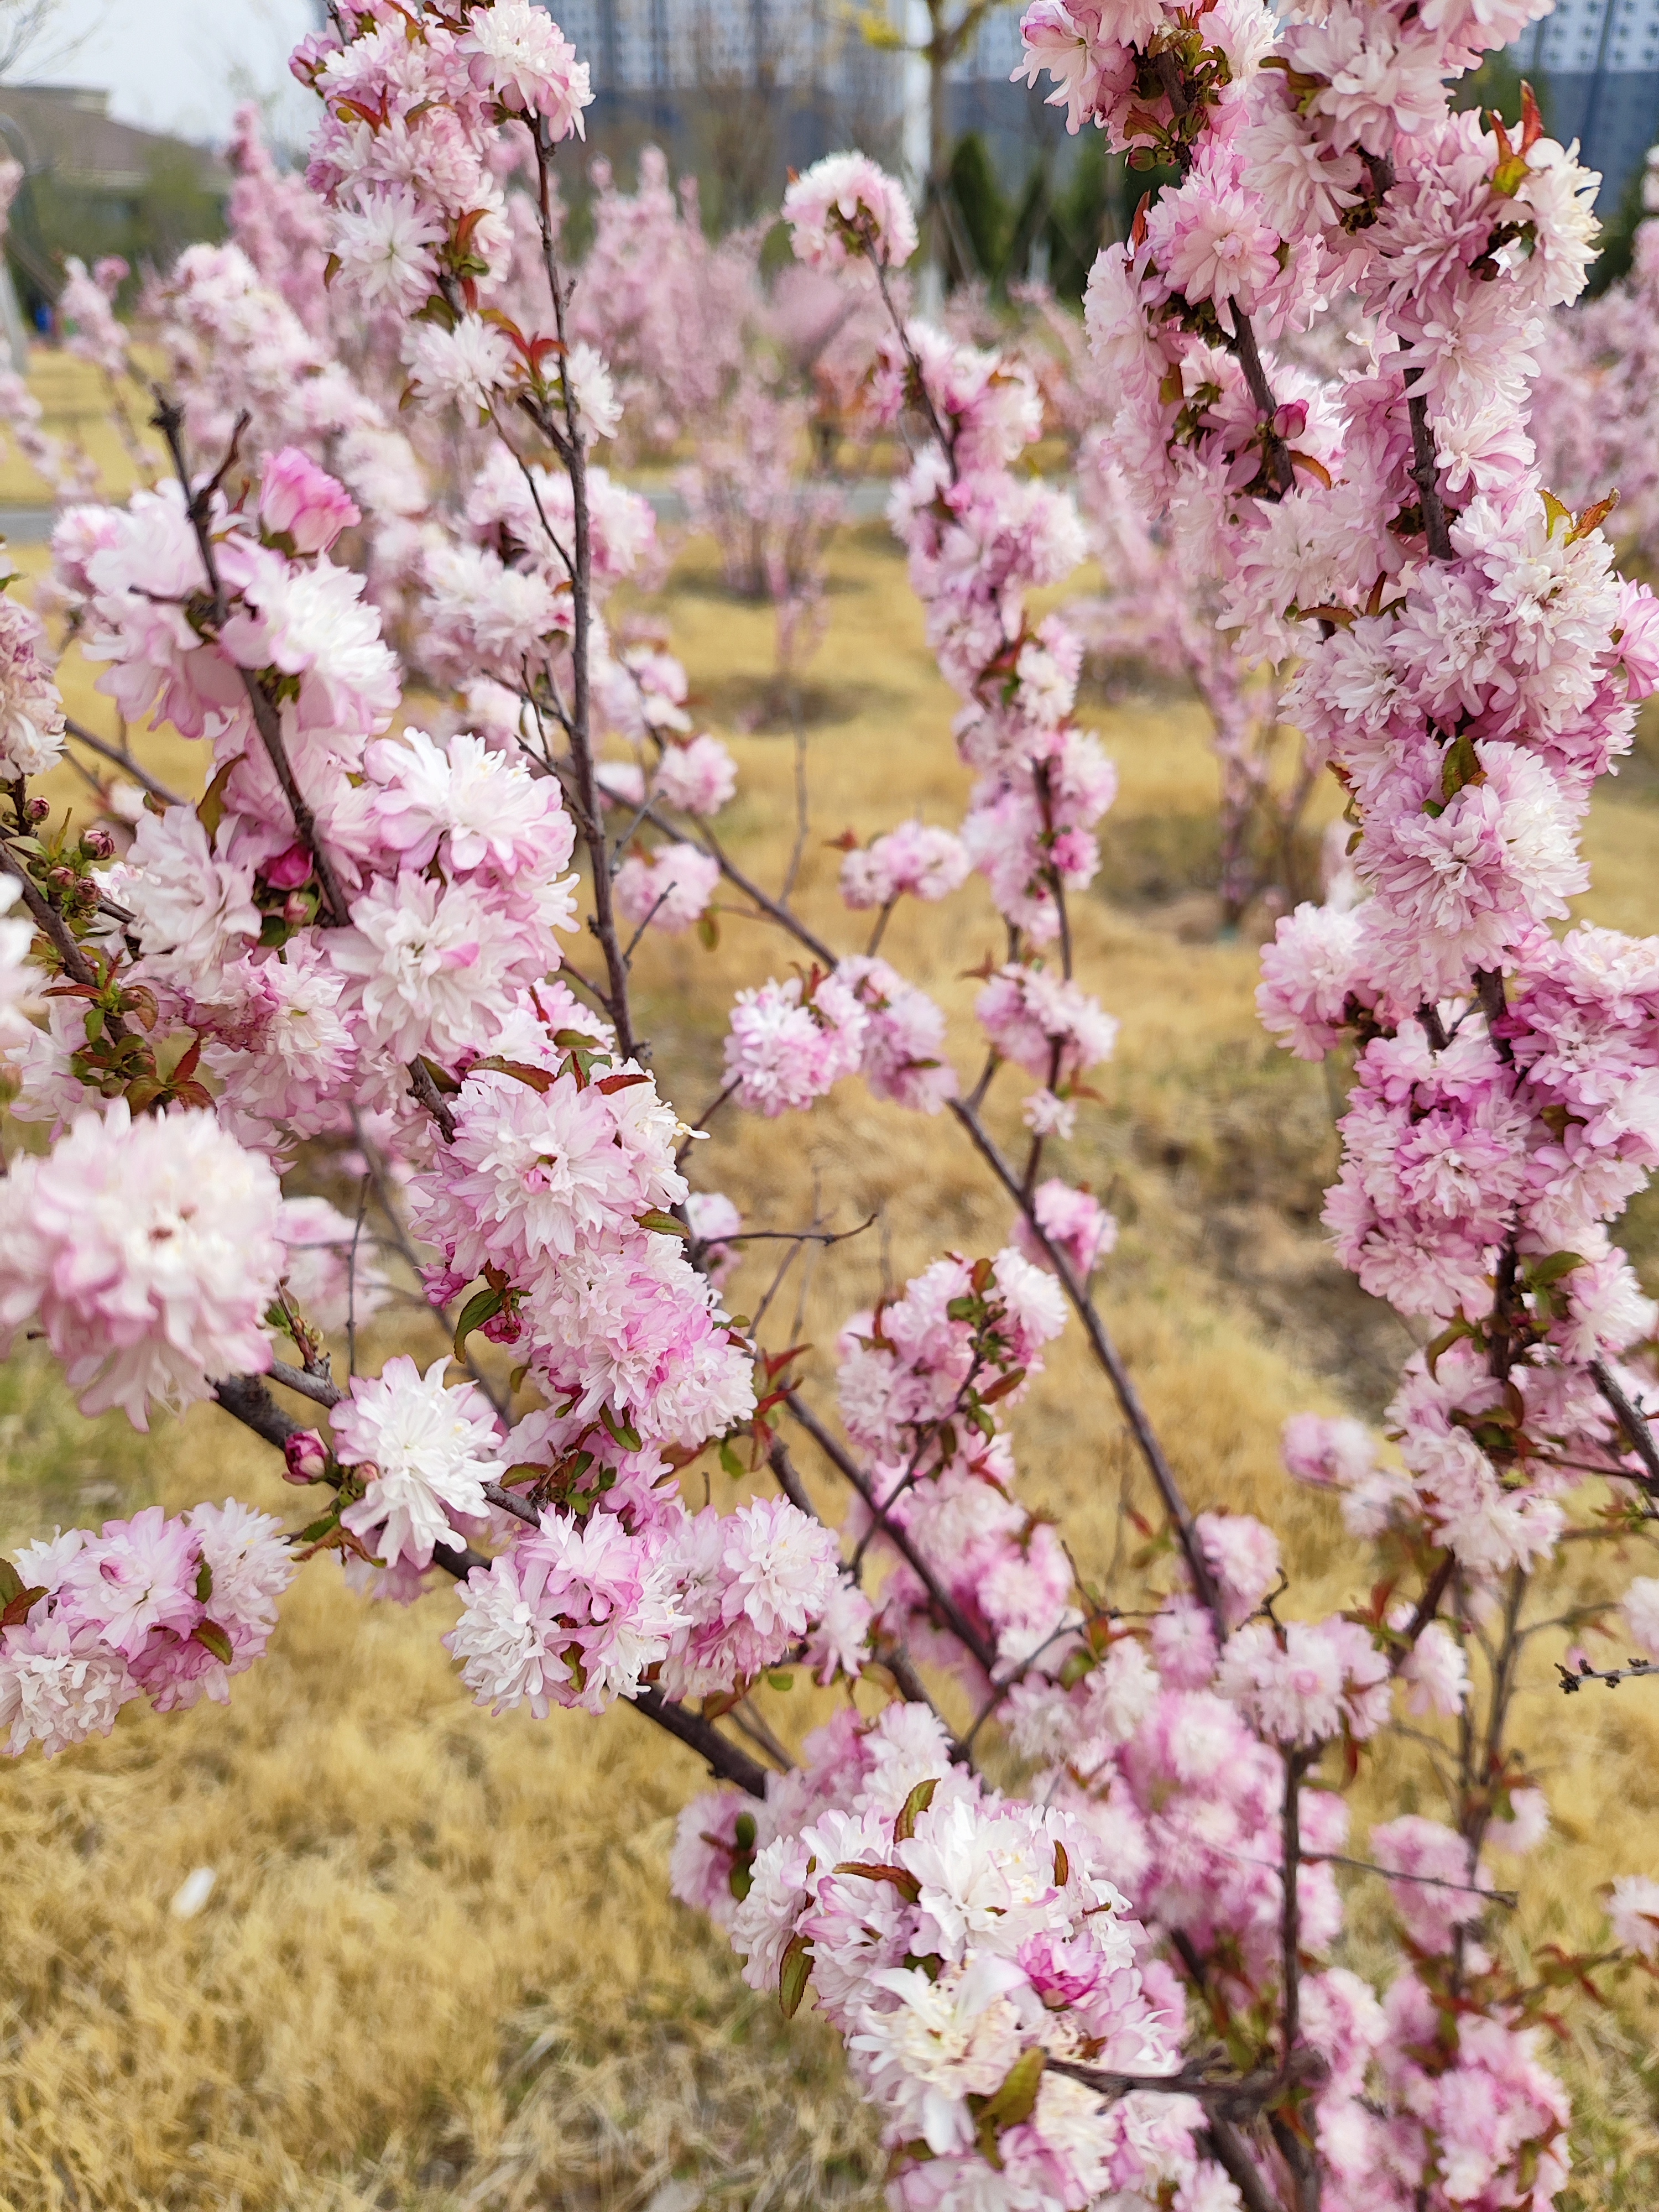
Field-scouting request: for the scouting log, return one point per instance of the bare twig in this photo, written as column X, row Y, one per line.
column 1638, row 1433
column 570, row 442
column 1424, row 470
column 1109, row 1357
column 139, row 774
column 169, row 420
column 947, row 1606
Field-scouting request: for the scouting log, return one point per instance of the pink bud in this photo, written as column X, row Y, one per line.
column 1292, row 419
column 296, row 912
column 289, row 869
column 303, row 503
column 306, row 1456
column 98, row 844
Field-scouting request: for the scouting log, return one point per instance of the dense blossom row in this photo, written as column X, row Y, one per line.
column 355, row 947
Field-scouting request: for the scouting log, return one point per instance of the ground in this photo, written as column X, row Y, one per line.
column 439, row 1966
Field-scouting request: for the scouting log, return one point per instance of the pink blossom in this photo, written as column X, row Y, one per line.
column 516, row 53
column 790, row 1043
column 669, row 890
column 302, row 505
column 425, row 1451
column 844, row 207
column 1045, row 1024
column 1437, row 1888
column 146, row 1252
column 1324, row 1679
column 572, row 1614
column 31, row 710
column 1244, row 1556
column 928, row 863
column 58, row 1685
column 1073, row 1221
column 1633, row 1909
column 700, row 776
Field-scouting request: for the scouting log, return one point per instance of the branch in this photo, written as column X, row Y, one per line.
column 572, row 448
column 1612, row 1676
column 1107, row 1354
column 169, row 420
column 316, row 1388
column 124, row 760
column 1281, row 471
column 1427, row 1606
column 1630, row 1419
column 1233, row 2155
column 726, row 1761
column 52, row 925
column 773, row 908
column 1240, row 2097
column 960, row 1626
column 1424, row 470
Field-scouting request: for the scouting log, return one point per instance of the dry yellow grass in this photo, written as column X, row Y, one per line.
column 439, row 1967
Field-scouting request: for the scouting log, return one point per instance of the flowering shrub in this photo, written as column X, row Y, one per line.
column 1119, row 1982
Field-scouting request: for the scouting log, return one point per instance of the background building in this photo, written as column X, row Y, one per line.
column 92, row 185
column 742, row 91
column 1596, row 65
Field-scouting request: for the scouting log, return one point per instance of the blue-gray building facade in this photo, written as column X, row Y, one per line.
column 1597, row 65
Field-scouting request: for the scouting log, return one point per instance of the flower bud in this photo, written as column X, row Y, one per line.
column 303, row 503
column 296, row 910
column 98, row 845
column 289, row 868
column 306, row 1456
column 38, row 809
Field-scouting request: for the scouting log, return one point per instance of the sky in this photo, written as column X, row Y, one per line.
column 178, row 65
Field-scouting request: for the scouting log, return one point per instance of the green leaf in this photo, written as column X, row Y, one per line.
column 1461, row 766
column 540, row 1079
column 16, row 1610
column 203, row 1584
column 481, row 1306
column 708, row 931
column 877, row 1870
column 210, row 806
column 916, row 1803
column 729, row 1460
column 964, row 1309
column 745, row 1832
column 11, row 1582
column 1016, row 2100
column 621, row 1433
column 664, row 1224
column 213, row 1638
column 1553, row 1268
column 794, row 1974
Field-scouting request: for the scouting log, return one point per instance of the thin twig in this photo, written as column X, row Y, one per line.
column 1109, row 1357
column 152, row 784
column 1424, row 470
column 948, row 1610
column 1630, row 1419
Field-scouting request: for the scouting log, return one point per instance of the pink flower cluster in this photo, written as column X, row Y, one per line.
column 403, row 158
column 927, row 863
column 580, row 1611
column 558, row 1181
column 844, row 208
column 925, row 1385
column 877, row 1854
column 165, row 1610
column 146, row 1253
